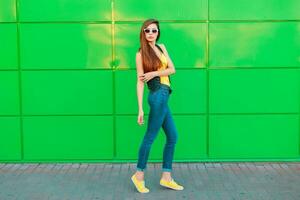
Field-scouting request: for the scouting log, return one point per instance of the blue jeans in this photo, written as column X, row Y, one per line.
column 159, row 116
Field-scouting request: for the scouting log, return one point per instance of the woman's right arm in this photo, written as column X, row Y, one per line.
column 140, row 87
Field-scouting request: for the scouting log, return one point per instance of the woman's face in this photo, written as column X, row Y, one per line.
column 151, row 32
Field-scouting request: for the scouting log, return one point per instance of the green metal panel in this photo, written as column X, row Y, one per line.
column 65, row 46
column 187, row 96
column 254, row 136
column 192, row 136
column 9, row 93
column 126, row 44
column 8, row 46
column 189, row 91
column 254, row 44
column 254, row 10
column 10, row 141
column 139, row 10
column 192, row 38
column 254, row 91
column 68, row 79
column 7, row 11
column 191, row 131
column 68, row 137
column 65, row 10
column 67, row 92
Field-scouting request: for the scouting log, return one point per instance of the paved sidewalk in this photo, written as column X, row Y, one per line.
column 107, row 181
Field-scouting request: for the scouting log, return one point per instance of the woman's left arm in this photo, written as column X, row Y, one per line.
column 171, row 69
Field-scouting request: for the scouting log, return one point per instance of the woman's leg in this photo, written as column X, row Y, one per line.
column 158, row 108
column 171, row 134
column 171, row 139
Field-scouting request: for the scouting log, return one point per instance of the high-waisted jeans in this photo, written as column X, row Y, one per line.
column 159, row 116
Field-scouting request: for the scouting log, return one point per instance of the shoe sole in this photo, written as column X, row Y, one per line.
column 170, row 187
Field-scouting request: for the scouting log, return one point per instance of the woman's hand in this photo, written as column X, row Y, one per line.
column 147, row 76
column 140, row 120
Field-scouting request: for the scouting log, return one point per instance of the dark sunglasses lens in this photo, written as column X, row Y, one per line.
column 148, row 30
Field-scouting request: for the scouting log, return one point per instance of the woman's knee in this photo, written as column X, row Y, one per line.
column 172, row 139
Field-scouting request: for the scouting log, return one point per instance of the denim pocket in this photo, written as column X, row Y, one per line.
column 157, row 97
column 165, row 92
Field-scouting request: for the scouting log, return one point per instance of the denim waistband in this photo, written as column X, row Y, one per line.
column 165, row 86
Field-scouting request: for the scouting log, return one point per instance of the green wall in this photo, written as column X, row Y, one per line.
column 68, row 79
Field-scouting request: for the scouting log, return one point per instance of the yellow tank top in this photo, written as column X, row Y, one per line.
column 164, row 79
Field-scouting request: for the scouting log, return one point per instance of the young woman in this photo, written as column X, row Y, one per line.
column 154, row 66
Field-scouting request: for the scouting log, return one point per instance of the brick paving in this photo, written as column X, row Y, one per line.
column 111, row 181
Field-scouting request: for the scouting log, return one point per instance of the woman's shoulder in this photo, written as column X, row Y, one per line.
column 163, row 46
column 138, row 55
column 138, row 52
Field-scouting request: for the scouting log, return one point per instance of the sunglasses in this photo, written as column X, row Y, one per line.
column 148, row 30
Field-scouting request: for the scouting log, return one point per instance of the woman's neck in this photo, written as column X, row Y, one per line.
column 152, row 43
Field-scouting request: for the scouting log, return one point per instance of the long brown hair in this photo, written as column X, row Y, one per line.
column 150, row 61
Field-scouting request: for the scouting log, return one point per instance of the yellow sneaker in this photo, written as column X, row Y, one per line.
column 171, row 184
column 140, row 185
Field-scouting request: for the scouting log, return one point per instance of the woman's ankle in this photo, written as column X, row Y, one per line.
column 139, row 176
column 166, row 176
